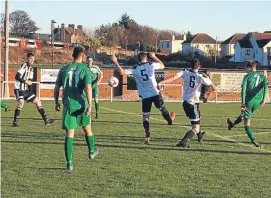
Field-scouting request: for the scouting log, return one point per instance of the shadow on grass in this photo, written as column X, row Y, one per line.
column 146, row 147
column 160, row 195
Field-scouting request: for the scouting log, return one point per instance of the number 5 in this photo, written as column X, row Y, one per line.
column 145, row 76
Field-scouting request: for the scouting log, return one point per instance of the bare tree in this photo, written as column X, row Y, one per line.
column 21, row 24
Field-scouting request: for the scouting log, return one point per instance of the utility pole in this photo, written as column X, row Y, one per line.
column 6, row 85
column 53, row 39
column 215, row 48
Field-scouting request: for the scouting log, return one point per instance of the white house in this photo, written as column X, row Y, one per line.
column 203, row 44
column 254, row 46
column 171, row 46
column 227, row 46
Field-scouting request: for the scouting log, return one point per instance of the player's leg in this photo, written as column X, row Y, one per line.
column 90, row 140
column 193, row 113
column 251, row 107
column 17, row 112
column 159, row 104
column 4, row 106
column 95, row 95
column 32, row 98
column 238, row 120
column 146, row 109
column 69, row 148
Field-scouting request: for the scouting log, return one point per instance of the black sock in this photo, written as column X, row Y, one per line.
column 17, row 114
column 165, row 114
column 238, row 120
column 146, row 126
column 42, row 113
column 189, row 135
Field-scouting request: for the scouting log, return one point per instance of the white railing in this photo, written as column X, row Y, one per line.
column 13, row 82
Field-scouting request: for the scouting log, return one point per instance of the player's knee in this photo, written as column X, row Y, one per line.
column 246, row 122
column 37, row 102
column 196, row 128
column 70, row 133
column 87, row 130
column 146, row 116
column 20, row 104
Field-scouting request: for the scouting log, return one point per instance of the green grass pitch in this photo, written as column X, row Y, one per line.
column 225, row 164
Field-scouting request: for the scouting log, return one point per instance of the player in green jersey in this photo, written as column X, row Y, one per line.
column 254, row 93
column 76, row 79
column 97, row 78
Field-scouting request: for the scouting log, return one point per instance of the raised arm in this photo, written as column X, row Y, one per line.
column 119, row 68
column 157, row 60
column 265, row 92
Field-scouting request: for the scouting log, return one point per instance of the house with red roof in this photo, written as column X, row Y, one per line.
column 253, row 46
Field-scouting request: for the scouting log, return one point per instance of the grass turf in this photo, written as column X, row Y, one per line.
column 225, row 164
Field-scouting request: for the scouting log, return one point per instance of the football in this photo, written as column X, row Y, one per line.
column 113, row 82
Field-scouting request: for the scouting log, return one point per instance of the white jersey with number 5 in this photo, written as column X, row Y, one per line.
column 145, row 79
column 192, row 85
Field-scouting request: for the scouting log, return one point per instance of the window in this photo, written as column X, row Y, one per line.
column 167, row 45
column 162, row 45
column 247, row 52
column 253, row 55
column 269, row 51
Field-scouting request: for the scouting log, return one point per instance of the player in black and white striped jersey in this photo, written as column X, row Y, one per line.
column 23, row 92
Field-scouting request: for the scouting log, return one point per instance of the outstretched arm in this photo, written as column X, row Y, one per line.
column 119, row 68
column 169, row 80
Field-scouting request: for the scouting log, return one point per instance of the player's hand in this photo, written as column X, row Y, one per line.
column 88, row 112
column 114, row 58
column 57, row 107
column 28, row 82
column 262, row 103
column 152, row 55
column 159, row 86
column 243, row 107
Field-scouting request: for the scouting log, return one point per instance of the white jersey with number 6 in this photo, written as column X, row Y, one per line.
column 192, row 85
column 145, row 79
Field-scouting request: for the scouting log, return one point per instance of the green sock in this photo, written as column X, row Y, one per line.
column 97, row 108
column 68, row 150
column 3, row 105
column 91, row 144
column 249, row 133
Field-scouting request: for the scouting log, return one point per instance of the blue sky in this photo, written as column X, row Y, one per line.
column 216, row 18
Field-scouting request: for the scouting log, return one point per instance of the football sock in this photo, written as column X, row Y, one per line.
column 3, row 105
column 146, row 126
column 249, row 133
column 189, row 135
column 238, row 120
column 17, row 114
column 97, row 108
column 165, row 114
column 91, row 144
column 68, row 150
column 42, row 113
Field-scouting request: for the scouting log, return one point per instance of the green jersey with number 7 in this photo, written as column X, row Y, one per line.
column 254, row 87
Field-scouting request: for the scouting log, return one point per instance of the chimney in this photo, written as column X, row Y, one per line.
column 62, row 33
column 173, row 37
column 72, row 26
column 184, row 36
column 80, row 27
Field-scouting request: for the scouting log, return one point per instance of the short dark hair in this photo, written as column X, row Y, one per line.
column 141, row 55
column 251, row 64
column 30, row 54
column 77, row 51
column 194, row 62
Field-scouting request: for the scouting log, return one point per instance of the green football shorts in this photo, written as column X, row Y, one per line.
column 251, row 107
column 95, row 91
column 74, row 120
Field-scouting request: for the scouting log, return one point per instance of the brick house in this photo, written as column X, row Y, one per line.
column 70, row 34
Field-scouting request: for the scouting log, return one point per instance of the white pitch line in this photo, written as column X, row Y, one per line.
column 210, row 133
column 263, row 133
